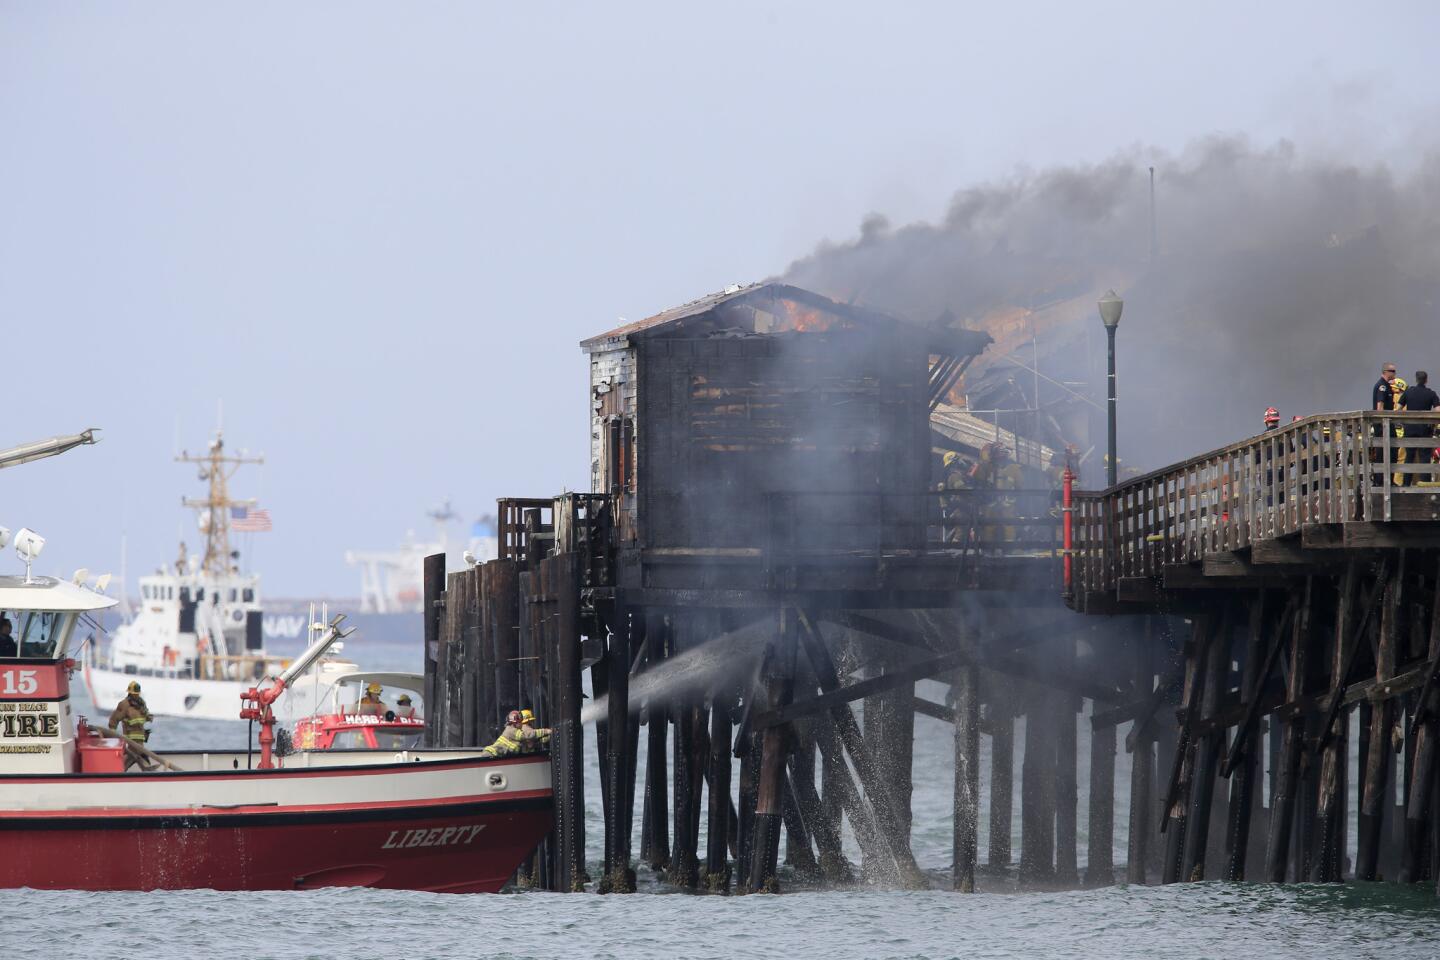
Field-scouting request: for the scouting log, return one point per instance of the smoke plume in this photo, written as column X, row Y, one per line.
column 1278, row 279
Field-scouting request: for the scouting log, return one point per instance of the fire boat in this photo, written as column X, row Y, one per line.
column 73, row 817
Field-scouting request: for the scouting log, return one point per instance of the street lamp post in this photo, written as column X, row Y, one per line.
column 1110, row 307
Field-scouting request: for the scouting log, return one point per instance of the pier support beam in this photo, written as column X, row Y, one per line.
column 717, row 832
column 1423, row 767
column 779, row 689
column 1142, row 767
column 1287, row 778
column 965, row 852
column 1067, row 786
column 567, row 766
column 620, row 769
column 1378, row 766
column 656, row 843
column 1002, row 773
column 1242, row 776
column 1037, row 791
column 1206, row 750
column 434, row 573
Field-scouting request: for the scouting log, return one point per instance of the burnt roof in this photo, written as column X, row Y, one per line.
column 942, row 340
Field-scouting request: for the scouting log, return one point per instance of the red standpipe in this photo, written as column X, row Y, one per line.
column 258, row 707
column 1067, row 510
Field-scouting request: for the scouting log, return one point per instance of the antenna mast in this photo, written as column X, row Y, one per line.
column 217, row 467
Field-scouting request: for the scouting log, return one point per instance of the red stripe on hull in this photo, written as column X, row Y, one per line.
column 467, row 849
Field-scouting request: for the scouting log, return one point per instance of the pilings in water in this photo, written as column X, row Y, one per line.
column 1239, row 741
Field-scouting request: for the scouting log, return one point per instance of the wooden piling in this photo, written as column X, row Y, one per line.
column 1142, row 765
column 717, row 827
column 1067, row 787
column 965, row 852
column 1242, row 776
column 684, row 870
column 1287, row 778
column 431, row 615
column 1206, row 750
column 656, row 829
column 779, row 675
column 1100, row 841
column 1002, row 775
column 1423, row 727
column 618, row 816
column 1325, row 863
column 503, row 624
column 567, row 740
column 1177, row 795
column 1378, row 761
column 1037, row 791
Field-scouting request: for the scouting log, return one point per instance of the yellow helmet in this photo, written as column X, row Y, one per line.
column 134, row 687
column 950, row 457
column 1398, row 385
column 404, row 698
column 373, row 687
column 526, row 716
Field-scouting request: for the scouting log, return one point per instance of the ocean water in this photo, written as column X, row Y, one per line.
column 1191, row 921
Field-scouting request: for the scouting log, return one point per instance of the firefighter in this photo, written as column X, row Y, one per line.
column 129, row 718
column 533, row 739
column 509, row 740
column 403, row 708
column 1398, row 386
column 952, row 504
column 371, row 705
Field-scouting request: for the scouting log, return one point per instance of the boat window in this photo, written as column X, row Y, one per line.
column 397, row 739
column 9, row 638
column 42, row 633
column 349, row 740
column 232, row 594
column 249, row 595
column 199, row 594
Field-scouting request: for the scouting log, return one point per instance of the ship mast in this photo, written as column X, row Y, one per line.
column 217, row 467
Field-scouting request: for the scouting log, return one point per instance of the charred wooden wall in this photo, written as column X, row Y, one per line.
column 741, row 437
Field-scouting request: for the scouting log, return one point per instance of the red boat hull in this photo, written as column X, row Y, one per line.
column 455, row 848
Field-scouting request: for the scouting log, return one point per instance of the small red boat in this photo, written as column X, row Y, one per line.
column 363, row 710
column 73, row 818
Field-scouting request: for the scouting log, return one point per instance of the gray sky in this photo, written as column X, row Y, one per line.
column 377, row 231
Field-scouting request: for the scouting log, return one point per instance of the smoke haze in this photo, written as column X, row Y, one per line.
column 1280, row 278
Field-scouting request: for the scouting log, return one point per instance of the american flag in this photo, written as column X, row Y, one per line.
column 246, row 520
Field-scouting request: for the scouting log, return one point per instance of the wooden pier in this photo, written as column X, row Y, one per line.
column 765, row 467
column 1304, row 562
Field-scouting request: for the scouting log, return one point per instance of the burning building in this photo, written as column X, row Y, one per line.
column 766, row 418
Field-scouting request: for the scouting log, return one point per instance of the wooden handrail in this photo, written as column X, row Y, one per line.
column 1329, row 468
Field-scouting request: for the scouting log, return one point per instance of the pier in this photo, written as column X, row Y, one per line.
column 767, row 486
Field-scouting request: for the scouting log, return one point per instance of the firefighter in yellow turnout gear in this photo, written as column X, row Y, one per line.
column 508, row 742
column 129, row 718
column 533, row 739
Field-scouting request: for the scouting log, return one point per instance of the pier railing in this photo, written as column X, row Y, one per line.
column 1332, row 468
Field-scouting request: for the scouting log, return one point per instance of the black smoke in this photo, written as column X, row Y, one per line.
column 1279, row 278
